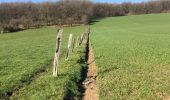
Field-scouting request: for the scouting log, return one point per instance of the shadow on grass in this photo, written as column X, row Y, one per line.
column 74, row 89
column 25, row 80
column 95, row 21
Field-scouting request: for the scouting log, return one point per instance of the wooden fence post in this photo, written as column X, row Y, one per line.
column 57, row 52
column 82, row 38
column 77, row 42
column 86, row 34
column 69, row 46
column 73, row 44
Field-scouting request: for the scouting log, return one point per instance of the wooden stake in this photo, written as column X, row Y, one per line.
column 77, row 42
column 57, row 53
column 69, row 46
column 84, row 35
column 73, row 44
column 81, row 38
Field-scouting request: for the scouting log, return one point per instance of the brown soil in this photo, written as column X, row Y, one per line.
column 162, row 96
column 90, row 83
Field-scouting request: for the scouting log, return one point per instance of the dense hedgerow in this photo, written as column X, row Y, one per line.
column 17, row 16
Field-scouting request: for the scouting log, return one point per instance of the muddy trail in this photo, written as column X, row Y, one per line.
column 90, row 82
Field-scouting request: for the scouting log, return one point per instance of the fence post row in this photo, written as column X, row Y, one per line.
column 72, row 43
column 84, row 35
column 69, row 46
column 57, row 53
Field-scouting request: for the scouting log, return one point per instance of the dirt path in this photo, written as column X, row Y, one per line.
column 90, row 83
column 162, row 96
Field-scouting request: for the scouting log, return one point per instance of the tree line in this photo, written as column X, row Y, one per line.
column 19, row 16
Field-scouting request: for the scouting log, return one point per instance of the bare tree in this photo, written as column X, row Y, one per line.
column 17, row 16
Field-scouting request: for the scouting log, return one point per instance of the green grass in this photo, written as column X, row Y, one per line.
column 47, row 87
column 133, row 56
column 25, row 53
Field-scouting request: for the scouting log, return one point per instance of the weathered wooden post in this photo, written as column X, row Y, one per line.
column 57, row 53
column 69, row 46
column 85, row 37
column 86, row 34
column 81, row 38
column 77, row 42
column 73, row 44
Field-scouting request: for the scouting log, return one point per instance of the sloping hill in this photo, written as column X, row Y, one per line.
column 133, row 56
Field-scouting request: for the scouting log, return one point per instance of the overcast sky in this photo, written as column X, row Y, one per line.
column 109, row 1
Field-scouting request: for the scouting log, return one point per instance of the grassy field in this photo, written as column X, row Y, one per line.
column 133, row 56
column 24, row 54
